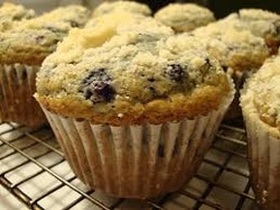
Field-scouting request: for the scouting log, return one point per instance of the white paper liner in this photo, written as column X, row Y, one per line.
column 17, row 86
column 263, row 156
column 136, row 161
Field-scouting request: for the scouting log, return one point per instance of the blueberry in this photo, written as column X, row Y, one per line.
column 207, row 64
column 96, row 75
column 40, row 38
column 73, row 23
column 176, row 72
column 151, row 79
column 225, row 68
column 53, row 29
column 17, row 18
column 97, row 88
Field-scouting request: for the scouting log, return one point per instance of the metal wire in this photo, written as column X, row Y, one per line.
column 227, row 135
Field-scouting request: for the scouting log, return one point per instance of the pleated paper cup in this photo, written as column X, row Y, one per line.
column 263, row 156
column 136, row 161
column 17, row 86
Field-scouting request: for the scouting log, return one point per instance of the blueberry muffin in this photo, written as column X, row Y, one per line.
column 32, row 40
column 239, row 50
column 260, row 107
column 121, row 6
column 259, row 22
column 183, row 17
column 12, row 13
column 101, row 29
column 241, row 54
column 136, row 114
column 23, row 48
column 114, row 17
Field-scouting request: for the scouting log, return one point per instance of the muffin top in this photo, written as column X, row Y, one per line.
column 99, row 30
column 263, row 90
column 10, row 13
column 259, row 22
column 32, row 40
column 116, row 17
column 121, row 6
column 138, row 76
column 184, row 17
column 240, row 50
column 257, row 14
column 59, row 19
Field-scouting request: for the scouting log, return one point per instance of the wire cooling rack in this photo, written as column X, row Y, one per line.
column 33, row 169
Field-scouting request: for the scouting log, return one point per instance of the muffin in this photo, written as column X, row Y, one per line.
column 240, row 51
column 100, row 29
column 23, row 48
column 260, row 107
column 121, row 6
column 135, row 115
column 241, row 54
column 259, row 22
column 11, row 13
column 184, row 17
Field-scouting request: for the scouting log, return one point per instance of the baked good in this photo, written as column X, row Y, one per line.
column 32, row 40
column 116, row 17
column 238, row 49
column 99, row 30
column 260, row 107
column 136, row 114
column 260, row 23
column 23, row 48
column 11, row 13
column 241, row 51
column 121, row 6
column 184, row 17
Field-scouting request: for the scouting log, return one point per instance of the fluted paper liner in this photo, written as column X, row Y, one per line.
column 264, row 157
column 17, row 86
column 136, row 161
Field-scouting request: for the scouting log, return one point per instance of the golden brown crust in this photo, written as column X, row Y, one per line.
column 178, row 106
column 23, row 57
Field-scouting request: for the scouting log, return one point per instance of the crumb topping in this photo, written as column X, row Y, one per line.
column 183, row 17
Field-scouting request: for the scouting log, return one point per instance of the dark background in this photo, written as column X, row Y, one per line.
column 222, row 8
